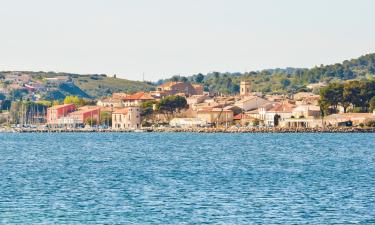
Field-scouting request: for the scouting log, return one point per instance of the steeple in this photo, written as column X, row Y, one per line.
column 245, row 88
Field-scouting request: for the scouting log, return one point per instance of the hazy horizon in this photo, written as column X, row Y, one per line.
column 165, row 38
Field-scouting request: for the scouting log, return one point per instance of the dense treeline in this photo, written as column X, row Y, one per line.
column 285, row 80
column 354, row 96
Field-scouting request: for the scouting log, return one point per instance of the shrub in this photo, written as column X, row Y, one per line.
column 371, row 123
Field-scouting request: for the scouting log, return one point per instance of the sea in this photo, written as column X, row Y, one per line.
column 187, row 178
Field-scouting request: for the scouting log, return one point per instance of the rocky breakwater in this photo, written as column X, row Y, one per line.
column 266, row 130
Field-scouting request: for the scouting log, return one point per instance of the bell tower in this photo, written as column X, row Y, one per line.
column 245, row 88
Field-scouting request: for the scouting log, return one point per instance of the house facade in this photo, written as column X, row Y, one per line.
column 82, row 115
column 283, row 111
column 126, row 118
column 215, row 115
column 173, row 88
column 54, row 113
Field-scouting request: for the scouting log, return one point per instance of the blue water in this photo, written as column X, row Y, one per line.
column 183, row 178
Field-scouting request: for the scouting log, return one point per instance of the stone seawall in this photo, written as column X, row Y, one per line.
column 205, row 130
column 268, row 130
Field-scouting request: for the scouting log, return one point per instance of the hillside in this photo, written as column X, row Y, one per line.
column 285, row 80
column 55, row 86
column 99, row 85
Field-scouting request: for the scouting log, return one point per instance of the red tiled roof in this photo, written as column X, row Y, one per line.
column 285, row 107
column 121, row 111
column 85, row 110
column 61, row 106
column 139, row 96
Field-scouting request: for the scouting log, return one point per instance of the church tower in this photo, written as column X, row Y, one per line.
column 245, row 88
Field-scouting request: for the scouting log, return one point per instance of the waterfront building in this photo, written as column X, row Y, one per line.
column 188, row 122
column 283, row 111
column 56, row 112
column 215, row 115
column 126, row 118
column 82, row 115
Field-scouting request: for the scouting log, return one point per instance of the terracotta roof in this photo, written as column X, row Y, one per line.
column 119, row 95
column 121, row 111
column 139, row 96
column 284, row 107
column 61, row 106
column 84, row 110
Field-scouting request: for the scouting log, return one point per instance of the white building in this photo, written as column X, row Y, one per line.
column 126, row 118
column 283, row 111
column 187, row 122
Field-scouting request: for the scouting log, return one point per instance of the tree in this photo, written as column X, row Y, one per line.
column 184, row 79
column 199, row 78
column 91, row 121
column 147, row 108
column 171, row 104
column 367, row 92
column 175, row 78
column 74, row 100
column 105, row 118
column 352, row 93
column 55, row 102
column 17, row 94
column 372, row 104
column 331, row 96
column 6, row 104
column 285, row 82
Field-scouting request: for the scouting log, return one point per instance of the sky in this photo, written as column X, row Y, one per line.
column 159, row 39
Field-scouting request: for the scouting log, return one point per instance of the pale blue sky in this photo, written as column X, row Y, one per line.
column 166, row 37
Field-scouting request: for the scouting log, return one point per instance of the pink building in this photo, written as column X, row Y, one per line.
column 85, row 113
column 54, row 113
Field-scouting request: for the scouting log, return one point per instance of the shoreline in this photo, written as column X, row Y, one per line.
column 200, row 130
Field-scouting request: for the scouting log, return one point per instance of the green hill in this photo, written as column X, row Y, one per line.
column 285, row 80
column 99, row 85
column 84, row 86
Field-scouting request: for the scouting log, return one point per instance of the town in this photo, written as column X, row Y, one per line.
column 184, row 105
